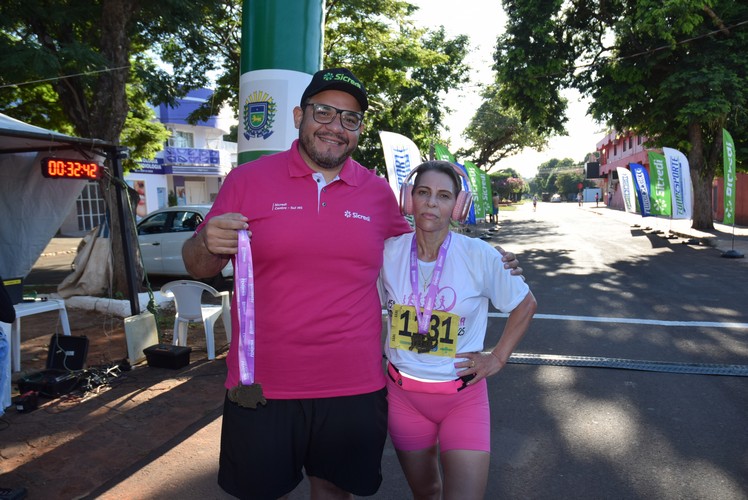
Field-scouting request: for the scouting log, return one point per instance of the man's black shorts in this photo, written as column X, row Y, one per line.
column 339, row 439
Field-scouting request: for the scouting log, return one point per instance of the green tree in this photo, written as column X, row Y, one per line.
column 497, row 132
column 548, row 172
column 508, row 184
column 567, row 182
column 673, row 71
column 407, row 70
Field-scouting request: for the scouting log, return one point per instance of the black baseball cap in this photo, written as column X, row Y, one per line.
column 336, row 79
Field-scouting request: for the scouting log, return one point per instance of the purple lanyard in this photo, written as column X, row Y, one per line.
column 244, row 288
column 424, row 318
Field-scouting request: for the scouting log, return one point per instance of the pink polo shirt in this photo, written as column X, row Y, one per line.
column 316, row 257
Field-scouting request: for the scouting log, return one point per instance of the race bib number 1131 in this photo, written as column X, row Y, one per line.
column 443, row 325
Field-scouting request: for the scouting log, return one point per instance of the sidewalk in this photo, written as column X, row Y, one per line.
column 62, row 245
column 724, row 238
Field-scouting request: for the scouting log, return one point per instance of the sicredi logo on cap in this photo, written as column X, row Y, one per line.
column 342, row 78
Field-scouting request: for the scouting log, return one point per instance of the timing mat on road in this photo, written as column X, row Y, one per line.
column 631, row 364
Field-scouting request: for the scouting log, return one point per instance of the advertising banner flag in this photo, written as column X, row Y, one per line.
column 476, row 187
column 728, row 150
column 627, row 189
column 659, row 185
column 679, row 174
column 486, row 192
column 641, row 184
column 442, row 153
column 401, row 155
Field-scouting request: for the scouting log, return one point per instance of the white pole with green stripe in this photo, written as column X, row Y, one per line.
column 281, row 49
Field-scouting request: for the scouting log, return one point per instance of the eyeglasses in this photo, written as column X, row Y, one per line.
column 324, row 114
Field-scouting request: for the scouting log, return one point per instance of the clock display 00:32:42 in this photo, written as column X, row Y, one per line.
column 66, row 168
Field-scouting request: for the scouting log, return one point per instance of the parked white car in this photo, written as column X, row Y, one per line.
column 161, row 235
column 556, row 198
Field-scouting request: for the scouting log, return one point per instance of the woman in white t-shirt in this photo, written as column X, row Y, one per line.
column 437, row 364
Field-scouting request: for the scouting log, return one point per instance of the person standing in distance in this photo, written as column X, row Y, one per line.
column 318, row 223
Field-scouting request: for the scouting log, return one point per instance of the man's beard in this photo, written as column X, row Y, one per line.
column 324, row 160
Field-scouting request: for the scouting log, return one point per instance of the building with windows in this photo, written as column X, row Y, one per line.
column 188, row 171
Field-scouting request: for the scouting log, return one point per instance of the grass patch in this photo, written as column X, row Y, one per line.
column 510, row 207
column 34, row 290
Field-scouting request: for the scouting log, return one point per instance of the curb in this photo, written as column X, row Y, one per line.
column 120, row 308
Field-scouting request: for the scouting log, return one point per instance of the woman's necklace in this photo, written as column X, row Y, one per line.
column 426, row 280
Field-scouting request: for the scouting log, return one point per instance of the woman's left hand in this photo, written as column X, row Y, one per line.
column 480, row 364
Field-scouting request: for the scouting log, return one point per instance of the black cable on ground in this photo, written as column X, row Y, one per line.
column 630, row 364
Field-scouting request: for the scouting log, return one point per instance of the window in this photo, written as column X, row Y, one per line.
column 170, row 222
column 90, row 207
column 154, row 224
column 185, row 221
column 631, row 142
column 181, row 139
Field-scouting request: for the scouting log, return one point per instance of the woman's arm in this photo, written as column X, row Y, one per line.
column 484, row 364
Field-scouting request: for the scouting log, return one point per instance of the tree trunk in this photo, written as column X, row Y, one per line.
column 108, row 114
column 102, row 116
column 119, row 285
column 701, row 178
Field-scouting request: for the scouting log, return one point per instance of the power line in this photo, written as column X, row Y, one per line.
column 679, row 42
column 87, row 73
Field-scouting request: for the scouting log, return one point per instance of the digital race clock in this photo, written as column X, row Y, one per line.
column 65, row 168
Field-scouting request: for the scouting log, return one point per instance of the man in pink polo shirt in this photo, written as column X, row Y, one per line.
column 318, row 223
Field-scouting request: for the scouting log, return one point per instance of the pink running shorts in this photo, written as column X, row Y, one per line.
column 460, row 421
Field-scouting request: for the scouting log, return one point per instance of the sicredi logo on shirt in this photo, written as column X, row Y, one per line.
column 355, row 215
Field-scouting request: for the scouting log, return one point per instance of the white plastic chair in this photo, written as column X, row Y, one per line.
column 190, row 309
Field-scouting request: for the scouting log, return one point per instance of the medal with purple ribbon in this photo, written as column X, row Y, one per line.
column 247, row 393
column 423, row 341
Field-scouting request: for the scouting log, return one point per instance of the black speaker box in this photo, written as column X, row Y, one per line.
column 167, row 356
column 66, row 356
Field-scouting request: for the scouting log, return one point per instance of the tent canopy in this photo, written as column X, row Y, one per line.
column 19, row 137
column 33, row 207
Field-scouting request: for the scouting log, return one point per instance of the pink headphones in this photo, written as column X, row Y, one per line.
column 462, row 204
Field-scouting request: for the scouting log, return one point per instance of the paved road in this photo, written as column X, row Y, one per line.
column 606, row 290
column 610, row 433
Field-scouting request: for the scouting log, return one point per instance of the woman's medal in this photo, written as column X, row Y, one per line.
column 426, row 341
